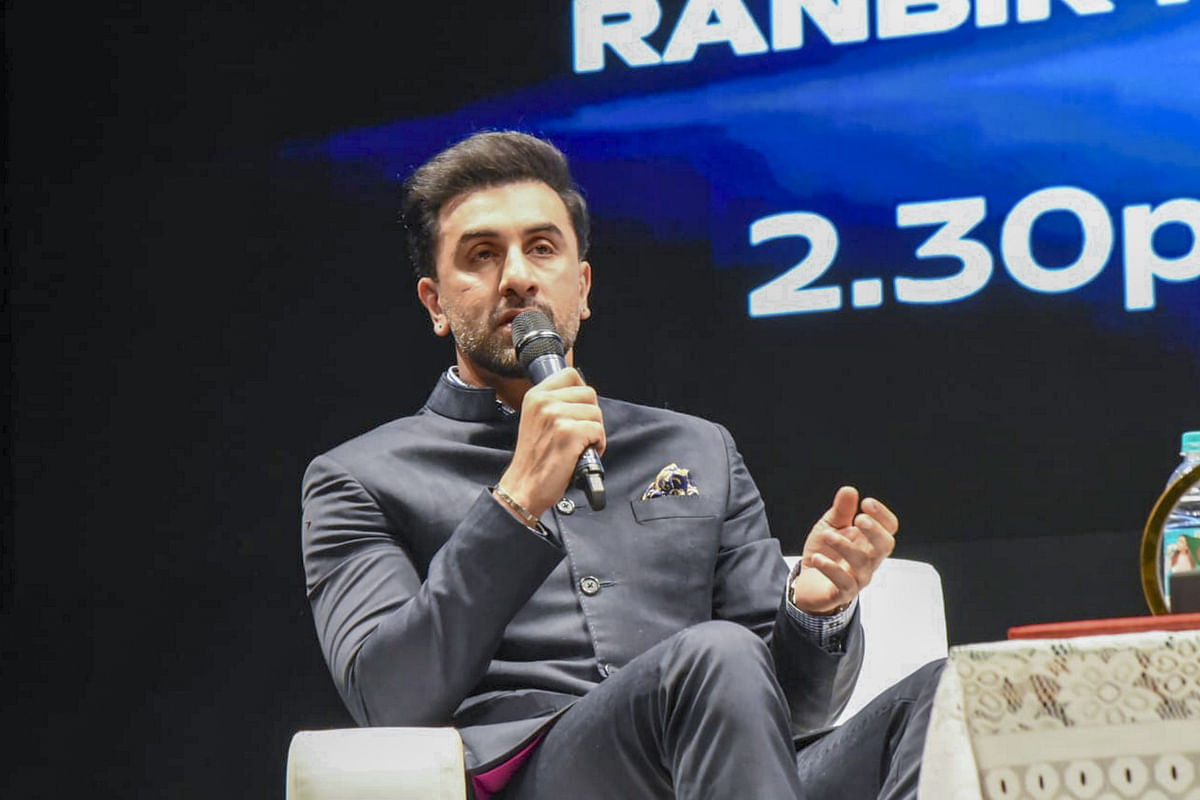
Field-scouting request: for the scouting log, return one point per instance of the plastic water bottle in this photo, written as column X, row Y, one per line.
column 1181, row 534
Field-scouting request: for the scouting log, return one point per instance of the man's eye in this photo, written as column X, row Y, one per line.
column 542, row 249
column 483, row 254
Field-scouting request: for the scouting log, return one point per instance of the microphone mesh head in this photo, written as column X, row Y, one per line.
column 534, row 336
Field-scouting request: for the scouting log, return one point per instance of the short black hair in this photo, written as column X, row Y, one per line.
column 491, row 158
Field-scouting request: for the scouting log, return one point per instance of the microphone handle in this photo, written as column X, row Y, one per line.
column 589, row 472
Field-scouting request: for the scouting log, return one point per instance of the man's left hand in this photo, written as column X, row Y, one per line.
column 842, row 552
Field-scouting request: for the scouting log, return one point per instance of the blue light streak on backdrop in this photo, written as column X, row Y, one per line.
column 1104, row 106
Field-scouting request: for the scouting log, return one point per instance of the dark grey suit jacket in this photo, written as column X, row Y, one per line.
column 434, row 606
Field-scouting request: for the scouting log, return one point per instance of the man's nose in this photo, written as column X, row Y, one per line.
column 519, row 277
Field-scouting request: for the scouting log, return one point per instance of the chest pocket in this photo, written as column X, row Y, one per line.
column 677, row 538
column 675, row 507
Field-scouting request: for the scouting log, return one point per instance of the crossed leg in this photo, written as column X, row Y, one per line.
column 700, row 716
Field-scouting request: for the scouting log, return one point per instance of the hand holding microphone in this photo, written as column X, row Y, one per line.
column 560, row 420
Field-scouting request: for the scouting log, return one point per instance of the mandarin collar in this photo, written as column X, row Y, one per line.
column 464, row 403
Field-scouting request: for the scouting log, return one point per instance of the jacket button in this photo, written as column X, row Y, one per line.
column 589, row 585
column 565, row 506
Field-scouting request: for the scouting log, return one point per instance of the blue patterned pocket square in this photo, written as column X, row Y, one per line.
column 671, row 480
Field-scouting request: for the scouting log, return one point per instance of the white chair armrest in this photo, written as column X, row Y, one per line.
column 376, row 763
column 904, row 626
column 903, row 615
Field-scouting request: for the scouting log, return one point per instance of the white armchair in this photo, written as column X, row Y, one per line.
column 904, row 622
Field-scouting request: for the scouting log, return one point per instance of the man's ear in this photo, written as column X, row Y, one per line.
column 585, row 289
column 428, row 293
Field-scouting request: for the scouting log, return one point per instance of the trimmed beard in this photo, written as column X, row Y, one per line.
column 490, row 347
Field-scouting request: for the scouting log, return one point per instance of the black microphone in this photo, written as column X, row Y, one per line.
column 540, row 350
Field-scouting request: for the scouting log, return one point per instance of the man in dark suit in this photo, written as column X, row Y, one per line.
column 655, row 648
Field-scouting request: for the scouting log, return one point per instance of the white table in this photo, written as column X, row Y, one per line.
column 1101, row 717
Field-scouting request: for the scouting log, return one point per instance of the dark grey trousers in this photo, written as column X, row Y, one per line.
column 701, row 715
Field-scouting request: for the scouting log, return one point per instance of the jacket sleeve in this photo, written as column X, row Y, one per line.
column 749, row 587
column 402, row 650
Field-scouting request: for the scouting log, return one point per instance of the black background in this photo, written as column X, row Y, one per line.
column 193, row 319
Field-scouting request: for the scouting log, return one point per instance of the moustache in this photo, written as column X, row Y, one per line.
column 499, row 313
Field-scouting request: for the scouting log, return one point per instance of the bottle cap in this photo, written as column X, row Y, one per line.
column 1190, row 442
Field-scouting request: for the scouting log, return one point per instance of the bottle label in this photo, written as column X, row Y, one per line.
column 1181, row 553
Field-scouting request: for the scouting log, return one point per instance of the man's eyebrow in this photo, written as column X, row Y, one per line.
column 488, row 233
column 548, row 227
column 479, row 233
